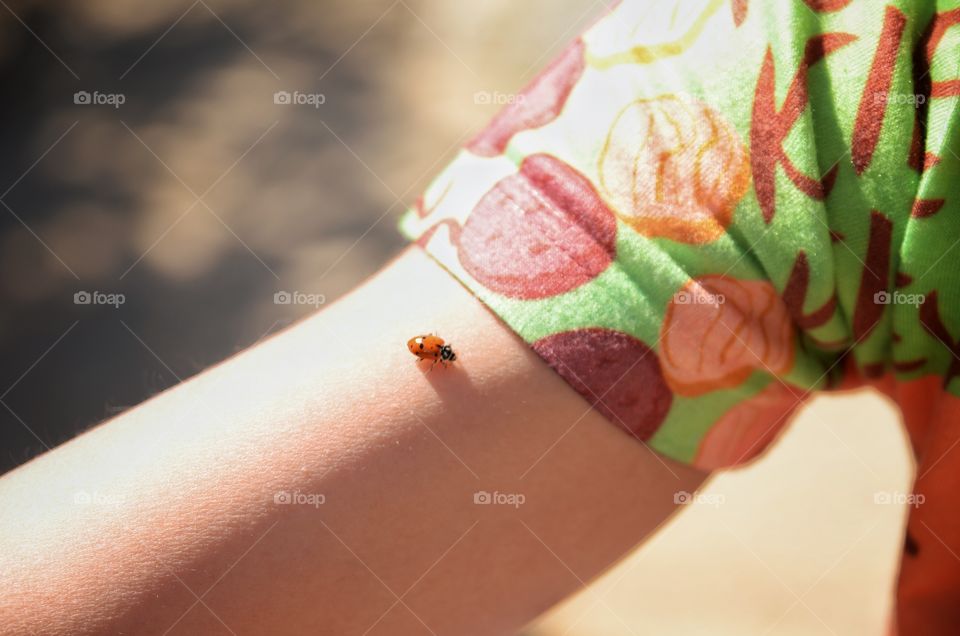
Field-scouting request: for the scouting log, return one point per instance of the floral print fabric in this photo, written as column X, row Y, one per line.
column 704, row 211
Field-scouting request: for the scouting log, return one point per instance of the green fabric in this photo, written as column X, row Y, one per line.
column 664, row 124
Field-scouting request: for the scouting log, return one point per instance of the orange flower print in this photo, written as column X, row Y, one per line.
column 747, row 429
column 674, row 168
column 718, row 330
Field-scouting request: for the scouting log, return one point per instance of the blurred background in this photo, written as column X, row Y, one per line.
column 184, row 186
column 167, row 168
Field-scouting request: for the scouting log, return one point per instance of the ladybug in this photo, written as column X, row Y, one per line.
column 431, row 347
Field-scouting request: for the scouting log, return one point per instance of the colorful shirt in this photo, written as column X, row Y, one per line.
column 704, row 211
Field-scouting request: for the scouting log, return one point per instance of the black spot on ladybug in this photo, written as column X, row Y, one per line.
column 910, row 546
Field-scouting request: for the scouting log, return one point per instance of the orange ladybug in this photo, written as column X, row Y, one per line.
column 431, row 347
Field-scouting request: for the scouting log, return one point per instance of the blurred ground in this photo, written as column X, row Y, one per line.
column 199, row 198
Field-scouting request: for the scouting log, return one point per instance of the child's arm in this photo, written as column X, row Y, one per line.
column 182, row 489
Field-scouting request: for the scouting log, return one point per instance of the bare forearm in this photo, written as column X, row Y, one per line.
column 382, row 462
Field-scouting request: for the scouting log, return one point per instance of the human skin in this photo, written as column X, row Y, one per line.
column 183, row 535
